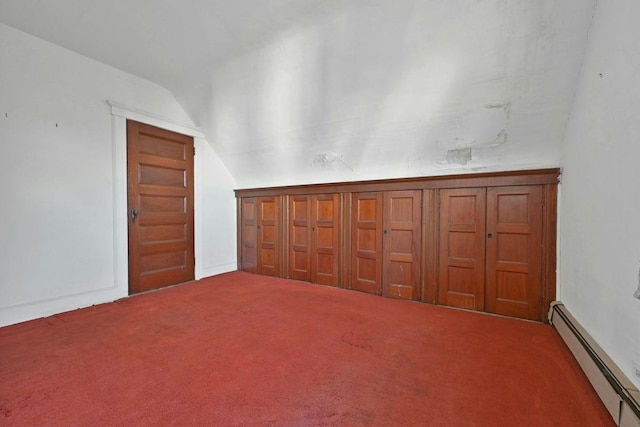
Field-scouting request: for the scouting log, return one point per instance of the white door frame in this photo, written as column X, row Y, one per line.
column 119, row 116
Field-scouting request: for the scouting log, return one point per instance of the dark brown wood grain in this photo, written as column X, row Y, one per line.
column 161, row 191
column 456, row 262
column 249, row 234
column 462, row 248
column 314, row 238
column 549, row 254
column 366, row 242
column 402, row 244
column 325, row 239
column 430, row 221
column 514, row 251
column 345, row 241
column 300, row 238
column 269, row 237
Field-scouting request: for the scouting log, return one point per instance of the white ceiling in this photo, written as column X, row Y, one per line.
column 292, row 91
column 164, row 41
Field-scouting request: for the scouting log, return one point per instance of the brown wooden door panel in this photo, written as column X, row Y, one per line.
column 152, row 190
column 402, row 244
column 430, row 220
column 160, row 202
column 300, row 238
column 462, row 248
column 249, row 234
column 269, row 236
column 514, row 251
column 325, row 235
column 366, row 242
column 461, row 266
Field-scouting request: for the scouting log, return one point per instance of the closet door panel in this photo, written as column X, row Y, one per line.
column 366, row 242
column 325, row 235
column 268, row 236
column 514, row 251
column 300, row 238
column 402, row 244
column 249, row 234
column 462, row 248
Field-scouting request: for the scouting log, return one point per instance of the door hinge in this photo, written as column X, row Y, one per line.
column 194, row 150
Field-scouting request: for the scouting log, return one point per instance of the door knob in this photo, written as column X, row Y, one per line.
column 134, row 214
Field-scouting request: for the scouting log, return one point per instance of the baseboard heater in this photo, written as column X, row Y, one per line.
column 620, row 396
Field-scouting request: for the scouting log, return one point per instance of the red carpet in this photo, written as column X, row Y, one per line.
column 241, row 349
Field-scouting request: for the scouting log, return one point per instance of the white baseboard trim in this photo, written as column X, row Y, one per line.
column 617, row 392
column 216, row 269
column 37, row 309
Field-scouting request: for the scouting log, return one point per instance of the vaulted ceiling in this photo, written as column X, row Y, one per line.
column 295, row 91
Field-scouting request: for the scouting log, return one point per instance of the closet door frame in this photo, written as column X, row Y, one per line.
column 462, row 248
column 430, row 187
column 402, row 244
column 366, row 240
column 325, row 239
column 513, row 284
column 299, row 228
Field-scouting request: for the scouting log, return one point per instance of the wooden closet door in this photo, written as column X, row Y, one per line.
column 325, row 239
column 462, row 248
column 514, row 251
column 300, row 238
column 402, row 244
column 268, row 236
column 366, row 242
column 249, row 234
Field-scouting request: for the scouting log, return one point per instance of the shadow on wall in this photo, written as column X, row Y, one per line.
column 373, row 90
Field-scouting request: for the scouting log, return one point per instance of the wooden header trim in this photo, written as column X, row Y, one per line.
column 487, row 179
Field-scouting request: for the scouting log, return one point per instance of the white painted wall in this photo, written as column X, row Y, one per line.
column 377, row 89
column 600, row 209
column 215, row 214
column 58, row 247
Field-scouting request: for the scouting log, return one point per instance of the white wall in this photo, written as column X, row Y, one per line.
column 377, row 89
column 58, row 248
column 600, row 206
column 215, row 214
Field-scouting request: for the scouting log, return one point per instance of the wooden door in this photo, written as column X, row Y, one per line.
column 366, row 242
column 462, row 248
column 402, row 244
column 249, row 234
column 269, row 236
column 300, row 238
column 325, row 239
column 514, row 251
column 160, row 207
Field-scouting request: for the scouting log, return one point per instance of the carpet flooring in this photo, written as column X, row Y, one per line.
column 247, row 350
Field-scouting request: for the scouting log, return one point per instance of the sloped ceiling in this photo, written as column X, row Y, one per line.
column 293, row 91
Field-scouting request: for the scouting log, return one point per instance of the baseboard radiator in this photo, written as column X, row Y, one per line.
column 620, row 396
